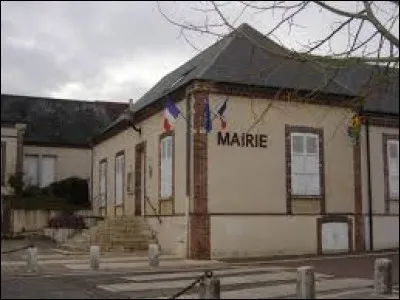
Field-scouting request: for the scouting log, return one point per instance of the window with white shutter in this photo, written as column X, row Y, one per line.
column 47, row 170
column 166, row 153
column 393, row 168
column 102, row 183
column 305, row 168
column 31, row 170
column 119, row 178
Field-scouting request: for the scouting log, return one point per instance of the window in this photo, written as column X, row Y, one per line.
column 47, row 170
column 102, row 183
column 31, row 170
column 305, row 164
column 119, row 178
column 3, row 163
column 39, row 170
column 393, row 168
column 166, row 153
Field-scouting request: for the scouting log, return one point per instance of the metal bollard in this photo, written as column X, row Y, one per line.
column 32, row 259
column 383, row 276
column 212, row 290
column 305, row 287
column 153, row 255
column 202, row 289
column 95, row 257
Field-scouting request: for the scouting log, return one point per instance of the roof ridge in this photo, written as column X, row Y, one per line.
column 61, row 99
column 228, row 41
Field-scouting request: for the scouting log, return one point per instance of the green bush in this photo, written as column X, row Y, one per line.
column 16, row 181
column 74, row 189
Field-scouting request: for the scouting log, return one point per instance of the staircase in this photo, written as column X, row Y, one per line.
column 125, row 233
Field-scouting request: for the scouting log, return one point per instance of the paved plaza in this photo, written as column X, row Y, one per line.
column 128, row 276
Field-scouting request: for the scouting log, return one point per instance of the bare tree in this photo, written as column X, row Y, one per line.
column 350, row 34
column 370, row 29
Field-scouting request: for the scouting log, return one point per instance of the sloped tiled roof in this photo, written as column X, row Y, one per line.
column 247, row 57
column 59, row 121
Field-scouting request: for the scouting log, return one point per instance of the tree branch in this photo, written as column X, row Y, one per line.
column 378, row 25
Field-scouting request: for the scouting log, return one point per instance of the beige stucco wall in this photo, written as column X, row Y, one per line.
column 245, row 236
column 386, row 232
column 377, row 172
column 9, row 136
column 152, row 128
column 171, row 234
column 31, row 220
column 125, row 140
column 252, row 180
column 69, row 161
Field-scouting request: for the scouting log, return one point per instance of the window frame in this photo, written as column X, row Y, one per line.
column 41, row 167
column 170, row 134
column 117, row 156
column 3, row 163
column 386, row 139
column 38, row 174
column 289, row 130
column 103, row 161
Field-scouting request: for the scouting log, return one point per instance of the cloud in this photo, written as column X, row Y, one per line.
column 86, row 50
column 114, row 50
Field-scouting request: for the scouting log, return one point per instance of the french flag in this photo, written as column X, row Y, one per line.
column 220, row 113
column 171, row 113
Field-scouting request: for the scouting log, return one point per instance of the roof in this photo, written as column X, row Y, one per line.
column 59, row 121
column 247, row 57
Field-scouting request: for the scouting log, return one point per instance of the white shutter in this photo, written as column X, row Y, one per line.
column 166, row 167
column 31, row 165
column 48, row 170
column 103, row 172
column 162, row 169
column 119, row 179
column 305, row 164
column 297, row 163
column 393, row 168
column 169, row 167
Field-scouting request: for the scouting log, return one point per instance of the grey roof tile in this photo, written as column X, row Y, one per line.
column 59, row 121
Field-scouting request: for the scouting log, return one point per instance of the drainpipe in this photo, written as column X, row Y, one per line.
column 371, row 235
column 188, row 168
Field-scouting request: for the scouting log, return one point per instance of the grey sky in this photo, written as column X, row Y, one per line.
column 104, row 50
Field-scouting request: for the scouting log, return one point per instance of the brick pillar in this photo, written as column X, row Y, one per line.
column 199, row 219
column 359, row 228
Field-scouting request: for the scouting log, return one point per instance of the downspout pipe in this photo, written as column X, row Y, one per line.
column 368, row 149
column 188, row 167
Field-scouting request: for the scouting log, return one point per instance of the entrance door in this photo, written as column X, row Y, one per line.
column 140, row 176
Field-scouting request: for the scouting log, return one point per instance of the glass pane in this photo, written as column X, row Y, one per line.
column 311, row 164
column 394, row 187
column 297, row 164
column 297, row 186
column 393, row 149
column 47, row 171
column 31, row 164
column 297, row 144
column 312, row 144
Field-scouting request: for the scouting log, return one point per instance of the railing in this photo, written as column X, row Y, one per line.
column 154, row 210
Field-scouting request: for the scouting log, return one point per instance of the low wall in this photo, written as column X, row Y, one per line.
column 34, row 220
column 386, row 232
column 171, row 234
column 59, row 235
column 251, row 236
